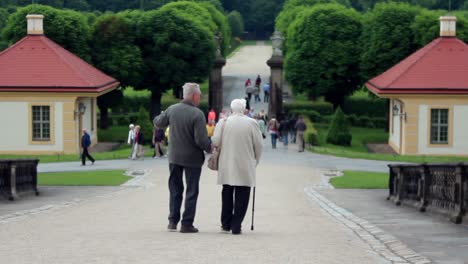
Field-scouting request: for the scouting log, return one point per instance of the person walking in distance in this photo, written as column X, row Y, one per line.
column 266, row 91
column 258, row 81
column 248, row 82
column 273, row 126
column 189, row 139
column 301, row 127
column 139, row 141
column 158, row 142
column 85, row 144
column 241, row 147
column 131, row 138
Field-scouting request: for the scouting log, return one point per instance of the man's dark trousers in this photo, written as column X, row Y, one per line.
column 176, row 190
column 234, row 207
column 85, row 155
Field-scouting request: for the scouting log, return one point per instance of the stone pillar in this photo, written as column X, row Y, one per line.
column 275, row 108
column 215, row 96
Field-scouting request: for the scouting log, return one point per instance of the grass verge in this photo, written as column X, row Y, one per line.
column 83, row 178
column 361, row 180
column 122, row 153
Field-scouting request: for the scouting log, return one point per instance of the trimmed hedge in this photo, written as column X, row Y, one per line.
column 323, row 108
column 361, row 106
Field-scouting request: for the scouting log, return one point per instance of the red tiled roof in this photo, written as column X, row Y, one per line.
column 440, row 67
column 36, row 63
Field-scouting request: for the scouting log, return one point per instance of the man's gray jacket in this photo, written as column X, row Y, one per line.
column 188, row 137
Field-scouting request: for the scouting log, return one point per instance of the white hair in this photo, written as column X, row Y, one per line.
column 190, row 89
column 131, row 126
column 238, row 106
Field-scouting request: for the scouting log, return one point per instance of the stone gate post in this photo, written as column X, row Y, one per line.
column 275, row 107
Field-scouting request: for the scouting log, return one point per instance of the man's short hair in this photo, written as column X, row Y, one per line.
column 191, row 89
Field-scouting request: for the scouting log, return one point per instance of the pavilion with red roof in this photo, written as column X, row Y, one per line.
column 47, row 95
column 428, row 94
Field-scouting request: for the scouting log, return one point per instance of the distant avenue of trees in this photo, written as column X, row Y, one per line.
column 332, row 50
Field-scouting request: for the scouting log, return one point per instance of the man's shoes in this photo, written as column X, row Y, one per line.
column 225, row 229
column 172, row 227
column 188, row 229
column 236, row 232
column 92, row 162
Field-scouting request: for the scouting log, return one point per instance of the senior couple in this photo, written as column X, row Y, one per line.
column 238, row 159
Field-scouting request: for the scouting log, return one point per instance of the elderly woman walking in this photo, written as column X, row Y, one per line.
column 241, row 146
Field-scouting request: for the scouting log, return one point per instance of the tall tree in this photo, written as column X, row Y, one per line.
column 68, row 28
column 236, row 23
column 176, row 49
column 387, row 38
column 114, row 52
column 323, row 55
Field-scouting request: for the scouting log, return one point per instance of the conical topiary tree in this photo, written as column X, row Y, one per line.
column 338, row 133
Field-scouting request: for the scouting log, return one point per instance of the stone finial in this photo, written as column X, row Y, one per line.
column 277, row 40
column 35, row 24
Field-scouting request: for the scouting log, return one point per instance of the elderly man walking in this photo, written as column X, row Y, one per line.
column 241, row 147
column 85, row 144
column 189, row 139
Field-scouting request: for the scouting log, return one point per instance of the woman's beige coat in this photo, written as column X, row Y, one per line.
column 240, row 150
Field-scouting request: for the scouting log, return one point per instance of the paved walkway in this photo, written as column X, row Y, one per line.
column 127, row 224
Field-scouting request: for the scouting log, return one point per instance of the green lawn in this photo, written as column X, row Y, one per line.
column 361, row 180
column 358, row 150
column 83, row 178
column 121, row 153
column 361, row 136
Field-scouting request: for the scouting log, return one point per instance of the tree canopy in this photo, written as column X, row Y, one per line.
column 176, row 48
column 323, row 55
column 387, row 38
column 236, row 23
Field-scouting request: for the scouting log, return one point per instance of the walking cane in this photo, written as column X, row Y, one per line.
column 253, row 209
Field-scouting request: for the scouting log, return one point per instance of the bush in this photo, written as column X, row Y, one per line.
column 311, row 134
column 122, row 121
column 338, row 133
column 314, row 116
column 352, row 120
column 323, row 108
column 362, row 106
column 365, row 121
column 379, row 122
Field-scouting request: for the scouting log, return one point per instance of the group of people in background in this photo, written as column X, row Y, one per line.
column 287, row 129
column 255, row 91
column 136, row 140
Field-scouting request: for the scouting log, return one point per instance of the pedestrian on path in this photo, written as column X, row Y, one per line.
column 138, row 151
column 273, row 126
column 266, row 92
column 210, row 127
column 292, row 129
column 258, row 81
column 249, row 91
column 261, row 125
column 85, row 144
column 211, row 115
column 248, row 82
column 131, row 138
column 284, row 130
column 189, row 139
column 301, row 127
column 241, row 149
column 158, row 142
column 257, row 94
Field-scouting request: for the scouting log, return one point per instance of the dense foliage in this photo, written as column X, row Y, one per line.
column 323, row 52
column 339, row 133
column 236, row 23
